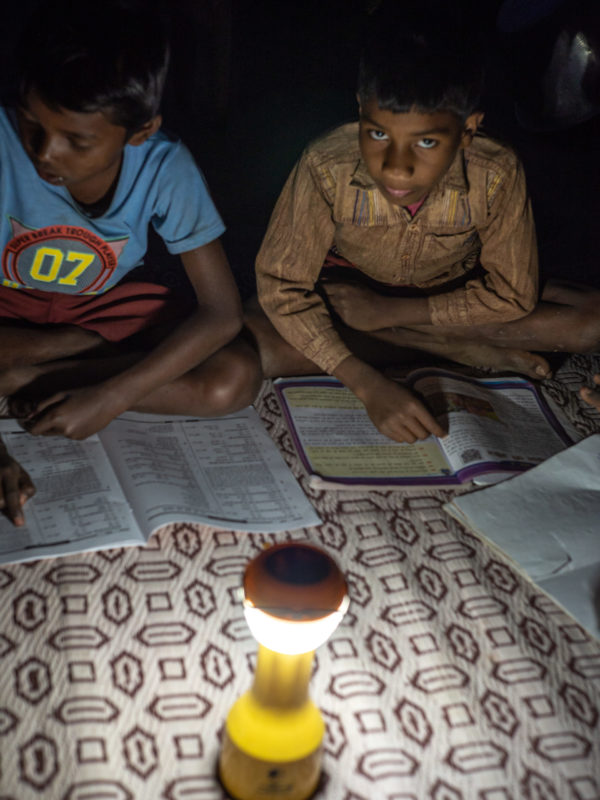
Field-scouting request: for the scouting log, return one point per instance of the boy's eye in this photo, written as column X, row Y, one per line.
column 426, row 143
column 378, row 136
column 77, row 145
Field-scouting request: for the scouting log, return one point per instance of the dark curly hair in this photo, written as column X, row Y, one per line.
column 422, row 57
column 97, row 55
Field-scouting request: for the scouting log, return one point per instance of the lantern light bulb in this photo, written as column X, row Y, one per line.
column 289, row 636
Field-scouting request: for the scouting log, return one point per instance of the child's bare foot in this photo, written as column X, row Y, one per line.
column 500, row 359
column 480, row 355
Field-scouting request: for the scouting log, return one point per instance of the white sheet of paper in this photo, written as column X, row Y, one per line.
column 548, row 521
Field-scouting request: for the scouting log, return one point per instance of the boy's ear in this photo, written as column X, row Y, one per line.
column 146, row 131
column 472, row 122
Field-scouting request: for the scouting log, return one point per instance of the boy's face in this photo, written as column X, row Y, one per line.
column 79, row 150
column 407, row 154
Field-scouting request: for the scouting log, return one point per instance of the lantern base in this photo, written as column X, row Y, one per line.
column 270, row 752
column 245, row 777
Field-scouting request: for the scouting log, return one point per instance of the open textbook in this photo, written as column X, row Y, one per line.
column 548, row 521
column 497, row 427
column 143, row 471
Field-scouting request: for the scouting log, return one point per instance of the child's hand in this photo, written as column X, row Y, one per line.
column 591, row 396
column 395, row 410
column 365, row 310
column 16, row 487
column 76, row 414
column 399, row 414
column 357, row 306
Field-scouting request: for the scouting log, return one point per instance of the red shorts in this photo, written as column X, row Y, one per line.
column 127, row 308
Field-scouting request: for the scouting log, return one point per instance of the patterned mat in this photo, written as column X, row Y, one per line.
column 451, row 677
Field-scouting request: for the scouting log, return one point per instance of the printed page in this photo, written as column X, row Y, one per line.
column 78, row 505
column 337, row 441
column 225, row 472
column 494, row 421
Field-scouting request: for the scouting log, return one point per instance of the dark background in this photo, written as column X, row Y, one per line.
column 251, row 82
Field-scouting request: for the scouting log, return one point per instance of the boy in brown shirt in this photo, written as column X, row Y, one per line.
column 407, row 230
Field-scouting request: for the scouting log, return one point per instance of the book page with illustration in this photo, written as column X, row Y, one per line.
column 496, row 427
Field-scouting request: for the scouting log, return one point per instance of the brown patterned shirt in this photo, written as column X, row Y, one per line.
column 479, row 213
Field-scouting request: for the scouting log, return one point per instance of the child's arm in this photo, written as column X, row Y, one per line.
column 16, row 487
column 216, row 321
column 365, row 310
column 394, row 410
column 591, row 396
column 300, row 233
column 508, row 289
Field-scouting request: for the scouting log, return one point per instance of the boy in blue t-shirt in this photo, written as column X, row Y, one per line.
column 84, row 170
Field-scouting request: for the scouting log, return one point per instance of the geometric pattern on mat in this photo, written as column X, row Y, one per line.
column 451, row 676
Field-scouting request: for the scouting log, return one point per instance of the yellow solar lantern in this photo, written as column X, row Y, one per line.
column 294, row 598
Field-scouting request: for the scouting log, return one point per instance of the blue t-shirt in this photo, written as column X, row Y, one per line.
column 48, row 242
